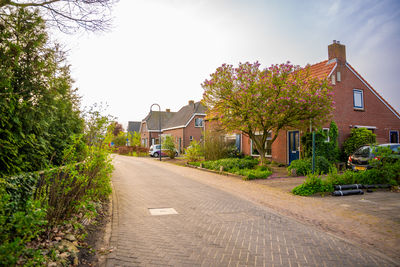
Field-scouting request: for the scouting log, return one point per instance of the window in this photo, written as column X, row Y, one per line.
column 338, row 78
column 198, row 122
column 326, row 134
column 393, row 136
column 254, row 151
column 358, row 99
column 191, row 138
column 144, row 142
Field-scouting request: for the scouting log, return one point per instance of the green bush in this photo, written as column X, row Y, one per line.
column 261, row 172
column 21, row 220
column 358, row 137
column 193, row 152
column 64, row 191
column 322, row 165
column 215, row 146
column 230, row 163
column 312, row 185
column 168, row 144
column 329, row 150
column 302, row 166
column 246, row 167
column 387, row 173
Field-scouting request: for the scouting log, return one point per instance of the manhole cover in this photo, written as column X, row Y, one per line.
column 163, row 211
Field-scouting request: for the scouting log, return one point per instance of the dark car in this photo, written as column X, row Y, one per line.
column 359, row 161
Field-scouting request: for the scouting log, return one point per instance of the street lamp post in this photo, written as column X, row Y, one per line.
column 159, row 125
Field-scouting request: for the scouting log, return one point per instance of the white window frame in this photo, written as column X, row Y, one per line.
column 361, row 93
column 327, row 134
column 191, row 138
column 251, row 147
column 195, row 122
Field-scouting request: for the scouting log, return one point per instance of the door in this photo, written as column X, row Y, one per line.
column 294, row 145
column 394, row 136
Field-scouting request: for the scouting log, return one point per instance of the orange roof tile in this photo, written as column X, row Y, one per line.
column 322, row 69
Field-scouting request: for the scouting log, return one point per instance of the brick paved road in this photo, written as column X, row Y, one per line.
column 212, row 227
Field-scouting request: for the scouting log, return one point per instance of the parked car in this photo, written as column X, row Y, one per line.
column 359, row 160
column 155, row 151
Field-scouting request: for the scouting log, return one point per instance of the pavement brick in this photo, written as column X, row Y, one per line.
column 212, row 227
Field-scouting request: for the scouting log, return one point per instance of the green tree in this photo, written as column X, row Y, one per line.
column 98, row 127
column 120, row 139
column 358, row 137
column 38, row 108
column 169, row 146
column 260, row 103
column 134, row 138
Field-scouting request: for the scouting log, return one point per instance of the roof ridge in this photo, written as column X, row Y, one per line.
column 308, row 64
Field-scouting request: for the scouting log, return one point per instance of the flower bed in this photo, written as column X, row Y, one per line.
column 246, row 167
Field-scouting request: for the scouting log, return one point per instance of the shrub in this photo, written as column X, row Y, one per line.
column 215, row 146
column 168, row 144
column 329, row 150
column 21, row 220
column 231, row 163
column 193, row 152
column 322, row 165
column 261, row 172
column 64, row 191
column 302, row 166
column 245, row 167
column 313, row 184
column 358, row 137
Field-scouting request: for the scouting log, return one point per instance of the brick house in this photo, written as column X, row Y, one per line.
column 358, row 105
column 149, row 127
column 186, row 125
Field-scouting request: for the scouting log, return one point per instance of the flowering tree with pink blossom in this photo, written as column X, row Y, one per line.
column 261, row 102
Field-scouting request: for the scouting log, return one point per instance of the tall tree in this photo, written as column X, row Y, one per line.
column 67, row 15
column 117, row 128
column 39, row 110
column 260, row 103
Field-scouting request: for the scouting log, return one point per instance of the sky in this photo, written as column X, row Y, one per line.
column 160, row 51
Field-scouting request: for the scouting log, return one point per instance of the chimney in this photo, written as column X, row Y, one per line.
column 191, row 102
column 338, row 51
column 168, row 110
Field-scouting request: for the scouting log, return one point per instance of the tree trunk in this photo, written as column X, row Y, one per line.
column 262, row 158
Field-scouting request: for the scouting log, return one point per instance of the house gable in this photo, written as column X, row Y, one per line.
column 373, row 90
